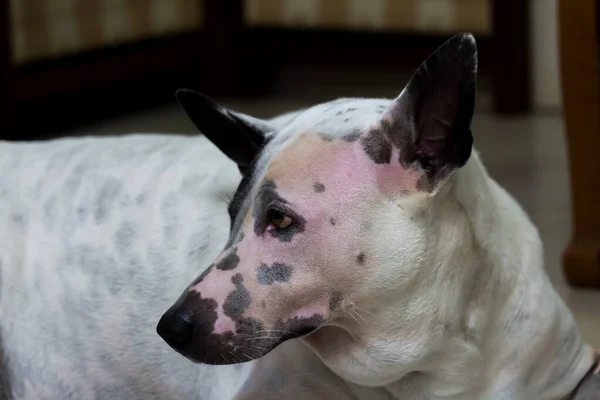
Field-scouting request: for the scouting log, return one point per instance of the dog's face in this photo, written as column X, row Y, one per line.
column 331, row 225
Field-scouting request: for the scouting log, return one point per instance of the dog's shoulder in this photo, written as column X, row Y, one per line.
column 100, row 235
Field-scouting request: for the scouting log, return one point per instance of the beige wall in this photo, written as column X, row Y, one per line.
column 544, row 47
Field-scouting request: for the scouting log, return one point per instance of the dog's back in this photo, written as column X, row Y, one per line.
column 97, row 236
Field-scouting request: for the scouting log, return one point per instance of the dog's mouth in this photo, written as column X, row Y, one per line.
column 189, row 328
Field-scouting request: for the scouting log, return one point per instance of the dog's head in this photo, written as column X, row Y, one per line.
column 334, row 226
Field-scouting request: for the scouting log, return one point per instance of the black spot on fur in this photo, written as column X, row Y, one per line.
column 230, row 261
column 298, row 327
column 326, row 137
column 352, row 136
column 332, row 221
column 360, row 258
column 268, row 197
column 335, row 300
column 278, row 272
column 318, row 187
column 377, row 148
column 239, row 300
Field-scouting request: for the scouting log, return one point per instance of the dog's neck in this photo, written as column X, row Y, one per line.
column 528, row 340
column 516, row 338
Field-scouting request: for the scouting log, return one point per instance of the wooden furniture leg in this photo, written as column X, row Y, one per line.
column 581, row 95
column 511, row 83
column 6, row 94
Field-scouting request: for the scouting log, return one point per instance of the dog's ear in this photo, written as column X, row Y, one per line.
column 430, row 121
column 239, row 136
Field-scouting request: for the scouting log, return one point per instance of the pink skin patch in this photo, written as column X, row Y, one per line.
column 315, row 255
column 217, row 285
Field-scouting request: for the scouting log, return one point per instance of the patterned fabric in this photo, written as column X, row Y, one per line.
column 49, row 28
column 419, row 16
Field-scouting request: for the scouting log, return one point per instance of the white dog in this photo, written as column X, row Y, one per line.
column 367, row 255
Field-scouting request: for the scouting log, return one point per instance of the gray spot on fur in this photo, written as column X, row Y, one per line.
column 106, row 198
column 278, row 272
column 124, row 237
column 141, row 199
column 239, row 300
column 170, row 216
column 18, row 219
column 352, row 136
column 332, row 221
column 326, row 137
column 335, row 300
column 49, row 213
column 360, row 258
column 318, row 187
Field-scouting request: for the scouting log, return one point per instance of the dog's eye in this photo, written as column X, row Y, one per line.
column 278, row 220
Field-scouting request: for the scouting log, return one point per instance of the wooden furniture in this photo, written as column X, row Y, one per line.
column 579, row 40
column 45, row 90
column 6, row 101
column 398, row 34
column 105, row 60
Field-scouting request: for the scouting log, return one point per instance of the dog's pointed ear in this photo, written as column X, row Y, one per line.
column 429, row 123
column 239, row 136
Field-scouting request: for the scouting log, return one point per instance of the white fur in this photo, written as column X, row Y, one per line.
column 98, row 236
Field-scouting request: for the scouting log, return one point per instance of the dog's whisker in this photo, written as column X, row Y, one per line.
column 354, row 317
column 359, row 315
column 256, row 348
column 362, row 309
column 247, row 356
column 273, row 331
column 235, row 357
column 261, row 337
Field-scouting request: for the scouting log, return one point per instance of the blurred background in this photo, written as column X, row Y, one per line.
column 106, row 67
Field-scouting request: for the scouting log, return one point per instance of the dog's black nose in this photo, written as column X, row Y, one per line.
column 175, row 330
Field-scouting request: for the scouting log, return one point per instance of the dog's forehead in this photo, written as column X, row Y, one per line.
column 335, row 120
column 340, row 120
column 304, row 149
column 314, row 134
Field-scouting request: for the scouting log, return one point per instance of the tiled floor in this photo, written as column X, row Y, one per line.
column 526, row 155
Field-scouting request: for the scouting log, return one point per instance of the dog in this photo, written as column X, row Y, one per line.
column 364, row 254
column 370, row 232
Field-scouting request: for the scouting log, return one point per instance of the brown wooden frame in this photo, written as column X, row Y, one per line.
column 6, row 101
column 504, row 57
column 227, row 58
column 579, row 40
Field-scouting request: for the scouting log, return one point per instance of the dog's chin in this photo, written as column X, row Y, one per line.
column 237, row 349
column 228, row 354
